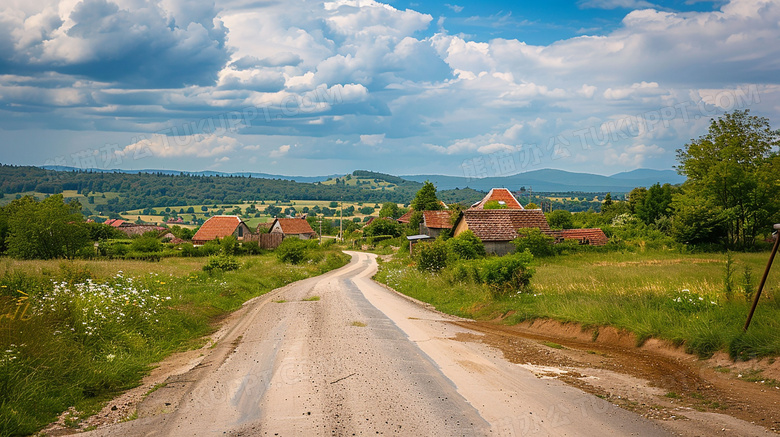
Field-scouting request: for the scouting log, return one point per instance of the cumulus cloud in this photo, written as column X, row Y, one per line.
column 156, row 44
column 280, row 152
column 200, row 146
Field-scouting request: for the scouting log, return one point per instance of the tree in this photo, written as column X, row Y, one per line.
column 45, row 230
column 493, row 204
column 607, row 200
column 655, row 203
column 389, row 209
column 560, row 219
column 426, row 199
column 382, row 226
column 733, row 171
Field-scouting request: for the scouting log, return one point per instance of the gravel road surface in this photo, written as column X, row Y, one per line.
column 341, row 355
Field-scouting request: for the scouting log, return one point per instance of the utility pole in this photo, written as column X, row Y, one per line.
column 341, row 220
column 320, row 220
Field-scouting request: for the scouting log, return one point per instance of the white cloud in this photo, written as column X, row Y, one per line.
column 280, row 152
column 456, row 8
column 372, row 140
column 200, row 146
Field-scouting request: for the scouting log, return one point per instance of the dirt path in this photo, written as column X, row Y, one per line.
column 342, row 355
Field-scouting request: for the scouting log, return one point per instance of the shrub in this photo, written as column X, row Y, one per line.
column 251, row 248
column 222, row 262
column 466, row 246
column 431, row 257
column 146, row 244
column 536, row 242
column 229, row 245
column 292, row 250
column 507, row 273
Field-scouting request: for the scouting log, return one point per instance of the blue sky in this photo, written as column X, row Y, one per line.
column 304, row 87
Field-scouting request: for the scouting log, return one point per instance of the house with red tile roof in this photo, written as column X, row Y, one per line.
column 435, row 222
column 502, row 196
column 293, row 227
column 221, row 226
column 498, row 227
column 593, row 237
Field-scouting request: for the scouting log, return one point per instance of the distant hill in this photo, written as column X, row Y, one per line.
column 306, row 179
column 549, row 180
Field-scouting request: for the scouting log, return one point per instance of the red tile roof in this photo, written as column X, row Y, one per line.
column 406, row 218
column 219, row 226
column 503, row 224
column 594, row 237
column 437, row 219
column 294, row 226
column 499, row 195
column 114, row 222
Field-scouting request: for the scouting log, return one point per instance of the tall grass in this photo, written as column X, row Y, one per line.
column 662, row 294
column 75, row 334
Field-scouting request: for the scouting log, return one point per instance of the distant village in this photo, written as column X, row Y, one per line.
column 496, row 220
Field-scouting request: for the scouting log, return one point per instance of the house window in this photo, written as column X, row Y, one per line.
column 240, row 231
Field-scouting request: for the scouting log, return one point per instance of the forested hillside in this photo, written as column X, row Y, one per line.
column 148, row 190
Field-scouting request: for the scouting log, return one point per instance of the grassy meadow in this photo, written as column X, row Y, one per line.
column 74, row 334
column 669, row 295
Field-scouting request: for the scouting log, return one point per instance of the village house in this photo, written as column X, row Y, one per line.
column 498, row 227
column 293, row 227
column 221, row 226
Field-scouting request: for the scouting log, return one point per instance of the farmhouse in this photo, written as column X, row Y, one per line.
column 293, row 227
column 498, row 227
column 221, row 226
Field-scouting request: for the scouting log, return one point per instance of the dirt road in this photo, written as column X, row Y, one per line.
column 341, row 355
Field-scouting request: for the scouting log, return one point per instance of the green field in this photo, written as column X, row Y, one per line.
column 75, row 334
column 662, row 294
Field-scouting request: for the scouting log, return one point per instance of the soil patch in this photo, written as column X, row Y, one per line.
column 656, row 380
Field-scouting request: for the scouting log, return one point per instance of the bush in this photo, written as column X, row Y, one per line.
column 224, row 263
column 251, row 248
column 507, row 273
column 431, row 257
column 146, row 244
column 229, row 245
column 466, row 246
column 536, row 242
column 292, row 250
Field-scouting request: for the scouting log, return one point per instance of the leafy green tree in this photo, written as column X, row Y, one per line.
column 45, row 230
column 493, row 204
column 655, row 204
column 560, row 219
column 607, row 200
column 382, row 226
column 389, row 209
column 636, row 198
column 733, row 170
column 426, row 199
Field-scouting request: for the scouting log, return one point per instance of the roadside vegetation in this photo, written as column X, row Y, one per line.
column 76, row 333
